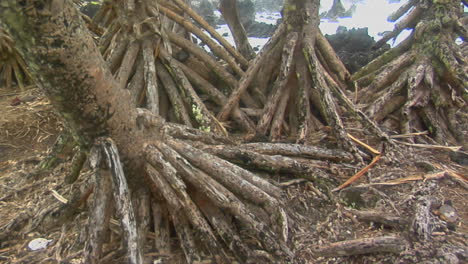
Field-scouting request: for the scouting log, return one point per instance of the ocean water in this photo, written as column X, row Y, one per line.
column 369, row 13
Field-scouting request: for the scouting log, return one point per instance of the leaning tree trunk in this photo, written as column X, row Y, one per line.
column 231, row 14
column 180, row 178
column 421, row 83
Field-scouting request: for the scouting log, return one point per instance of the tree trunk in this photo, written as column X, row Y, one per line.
column 199, row 194
column 89, row 102
column 231, row 14
column 422, row 81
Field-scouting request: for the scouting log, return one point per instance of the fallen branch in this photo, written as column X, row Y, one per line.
column 362, row 246
column 410, row 135
column 452, row 148
column 379, row 217
column 298, row 150
column 371, row 149
column 357, row 175
column 431, row 176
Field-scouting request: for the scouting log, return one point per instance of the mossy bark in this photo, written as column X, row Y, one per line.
column 428, row 70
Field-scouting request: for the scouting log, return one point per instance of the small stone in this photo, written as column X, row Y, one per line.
column 448, row 213
column 459, row 157
column 38, row 244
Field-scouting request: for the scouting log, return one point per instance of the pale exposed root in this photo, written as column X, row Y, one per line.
column 304, row 125
column 331, row 60
column 417, row 104
column 239, row 58
column 219, row 98
column 223, row 227
column 401, row 11
column 271, row 163
column 389, row 107
column 109, row 176
column 178, row 218
column 209, row 61
column 179, row 108
column 135, row 57
column 409, row 21
column 238, row 180
column 177, row 185
column 136, row 83
column 381, row 99
column 109, row 35
column 362, row 246
column 358, row 114
column 142, row 202
column 196, row 135
column 249, row 75
column 278, row 89
column 127, row 65
column 267, row 74
column 220, row 197
column 278, row 124
column 200, row 113
column 421, row 82
column 123, row 202
column 116, row 51
column 328, row 106
column 152, row 94
column 387, row 76
column 382, row 60
column 101, row 210
column 170, row 165
column 217, row 49
column 161, row 226
column 13, row 69
column 246, row 184
column 298, row 150
column 437, row 124
column 422, row 223
column 456, row 67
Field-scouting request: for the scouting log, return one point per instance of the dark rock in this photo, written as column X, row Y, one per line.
column 260, row 30
column 246, row 11
column 338, row 11
column 354, row 47
column 459, row 157
column 90, row 8
column 268, row 5
column 182, row 55
column 206, row 10
column 225, row 34
column 359, row 198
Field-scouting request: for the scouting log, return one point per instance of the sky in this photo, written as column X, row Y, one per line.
column 369, row 13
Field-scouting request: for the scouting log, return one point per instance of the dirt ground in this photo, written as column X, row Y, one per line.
column 414, row 189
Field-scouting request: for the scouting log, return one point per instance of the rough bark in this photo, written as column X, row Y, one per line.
column 68, row 66
column 231, row 14
column 13, row 69
column 195, row 187
column 421, row 82
column 362, row 246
